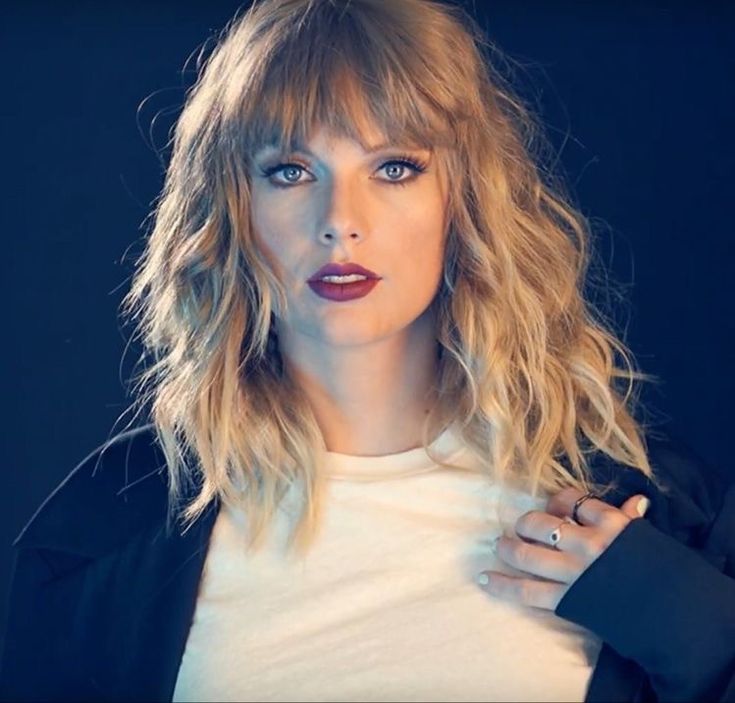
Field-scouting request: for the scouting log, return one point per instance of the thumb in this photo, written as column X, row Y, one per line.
column 636, row 506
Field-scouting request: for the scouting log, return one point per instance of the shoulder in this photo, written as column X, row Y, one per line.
column 701, row 499
column 697, row 498
column 116, row 490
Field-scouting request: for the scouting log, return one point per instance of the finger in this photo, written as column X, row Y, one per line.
column 636, row 506
column 527, row 592
column 581, row 541
column 538, row 560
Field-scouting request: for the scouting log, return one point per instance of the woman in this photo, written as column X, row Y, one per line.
column 372, row 357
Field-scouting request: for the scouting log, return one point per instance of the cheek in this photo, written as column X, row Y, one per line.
column 269, row 224
column 424, row 243
column 276, row 234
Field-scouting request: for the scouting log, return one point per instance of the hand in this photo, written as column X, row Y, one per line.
column 559, row 567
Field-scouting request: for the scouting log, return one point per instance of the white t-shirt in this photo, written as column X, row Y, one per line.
column 384, row 607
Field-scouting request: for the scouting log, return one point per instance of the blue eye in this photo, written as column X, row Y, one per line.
column 286, row 168
column 295, row 169
column 403, row 161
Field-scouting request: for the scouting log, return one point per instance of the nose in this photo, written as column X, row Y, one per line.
column 331, row 236
column 344, row 219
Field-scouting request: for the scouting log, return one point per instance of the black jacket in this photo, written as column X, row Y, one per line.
column 102, row 596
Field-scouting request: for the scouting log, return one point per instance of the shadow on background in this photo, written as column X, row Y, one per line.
column 638, row 100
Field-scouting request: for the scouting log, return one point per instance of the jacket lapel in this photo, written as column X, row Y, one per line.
column 125, row 632
column 160, row 603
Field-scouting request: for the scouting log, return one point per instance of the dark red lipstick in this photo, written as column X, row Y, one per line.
column 333, row 289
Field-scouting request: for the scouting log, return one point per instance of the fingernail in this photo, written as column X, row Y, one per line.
column 642, row 506
column 483, row 579
column 494, row 545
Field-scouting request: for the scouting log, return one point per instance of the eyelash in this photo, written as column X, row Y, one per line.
column 403, row 159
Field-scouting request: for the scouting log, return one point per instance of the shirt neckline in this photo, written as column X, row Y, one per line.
column 448, row 445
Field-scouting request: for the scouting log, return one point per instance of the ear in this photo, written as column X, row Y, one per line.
column 636, row 506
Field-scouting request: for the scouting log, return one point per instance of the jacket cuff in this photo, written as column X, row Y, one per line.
column 659, row 603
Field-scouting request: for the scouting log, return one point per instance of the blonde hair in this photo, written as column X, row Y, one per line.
column 527, row 367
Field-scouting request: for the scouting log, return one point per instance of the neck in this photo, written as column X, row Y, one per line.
column 369, row 399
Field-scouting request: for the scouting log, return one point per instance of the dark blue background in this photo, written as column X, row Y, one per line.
column 637, row 97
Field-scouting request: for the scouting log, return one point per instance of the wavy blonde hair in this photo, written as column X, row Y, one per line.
column 527, row 367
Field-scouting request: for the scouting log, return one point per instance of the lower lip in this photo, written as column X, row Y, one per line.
column 343, row 291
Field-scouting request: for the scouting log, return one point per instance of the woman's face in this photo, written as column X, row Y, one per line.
column 381, row 213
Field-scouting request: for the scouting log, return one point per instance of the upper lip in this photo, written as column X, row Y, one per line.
column 341, row 270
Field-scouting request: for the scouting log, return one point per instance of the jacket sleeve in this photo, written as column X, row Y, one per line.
column 664, row 596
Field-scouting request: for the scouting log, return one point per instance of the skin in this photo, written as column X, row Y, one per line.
column 367, row 366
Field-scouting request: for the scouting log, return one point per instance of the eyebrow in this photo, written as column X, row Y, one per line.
column 371, row 150
column 386, row 145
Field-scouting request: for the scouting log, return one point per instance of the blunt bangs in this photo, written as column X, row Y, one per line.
column 327, row 72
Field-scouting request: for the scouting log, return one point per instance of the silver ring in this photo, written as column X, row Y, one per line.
column 555, row 537
column 575, row 516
